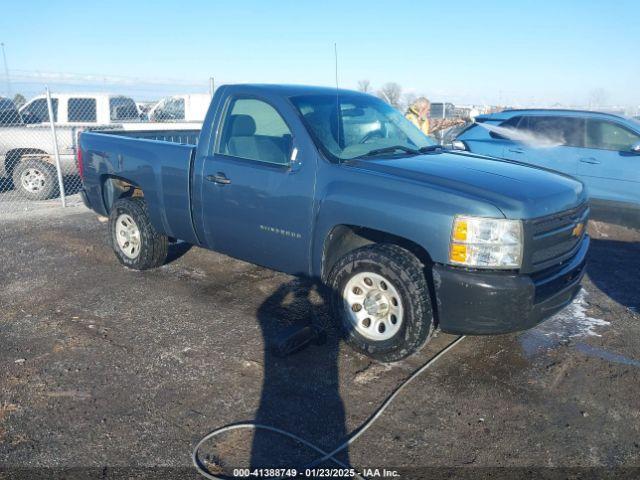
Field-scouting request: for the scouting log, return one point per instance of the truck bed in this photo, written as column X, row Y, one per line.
column 157, row 161
column 184, row 137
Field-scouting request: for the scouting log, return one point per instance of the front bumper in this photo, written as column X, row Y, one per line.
column 482, row 303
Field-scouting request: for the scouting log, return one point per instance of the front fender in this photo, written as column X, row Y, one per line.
column 416, row 213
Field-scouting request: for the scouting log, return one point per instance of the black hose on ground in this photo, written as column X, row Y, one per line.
column 323, row 455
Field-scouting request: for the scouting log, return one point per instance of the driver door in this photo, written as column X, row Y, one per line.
column 258, row 188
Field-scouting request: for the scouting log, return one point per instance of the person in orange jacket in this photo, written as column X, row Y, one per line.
column 419, row 113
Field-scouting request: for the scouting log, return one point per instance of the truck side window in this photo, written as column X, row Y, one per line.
column 254, row 130
column 37, row 111
column 610, row 136
column 123, row 108
column 82, row 110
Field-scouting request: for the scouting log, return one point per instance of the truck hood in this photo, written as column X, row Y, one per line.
column 519, row 191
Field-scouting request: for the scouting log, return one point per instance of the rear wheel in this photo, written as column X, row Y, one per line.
column 133, row 238
column 381, row 296
column 36, row 179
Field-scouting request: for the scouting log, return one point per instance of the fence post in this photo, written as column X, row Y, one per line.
column 56, row 153
column 211, row 87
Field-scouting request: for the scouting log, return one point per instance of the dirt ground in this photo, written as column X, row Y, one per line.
column 110, row 372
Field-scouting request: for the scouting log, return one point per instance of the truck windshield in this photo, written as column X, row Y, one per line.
column 361, row 126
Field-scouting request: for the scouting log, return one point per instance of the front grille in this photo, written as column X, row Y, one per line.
column 550, row 286
column 550, row 241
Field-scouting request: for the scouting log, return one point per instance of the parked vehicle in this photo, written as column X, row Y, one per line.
column 82, row 108
column 27, row 157
column 443, row 110
column 182, row 108
column 26, row 147
column 600, row 149
column 407, row 235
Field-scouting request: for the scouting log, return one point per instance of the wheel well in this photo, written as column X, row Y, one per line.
column 115, row 188
column 345, row 238
column 13, row 157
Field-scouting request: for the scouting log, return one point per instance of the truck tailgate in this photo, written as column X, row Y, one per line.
column 161, row 168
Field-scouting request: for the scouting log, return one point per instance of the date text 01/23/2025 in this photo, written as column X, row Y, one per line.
column 314, row 473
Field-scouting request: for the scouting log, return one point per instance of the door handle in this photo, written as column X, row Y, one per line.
column 219, row 178
column 590, row 160
column 516, row 150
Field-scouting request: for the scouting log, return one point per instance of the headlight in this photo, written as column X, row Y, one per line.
column 486, row 242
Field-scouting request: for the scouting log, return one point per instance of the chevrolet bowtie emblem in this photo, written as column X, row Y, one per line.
column 577, row 230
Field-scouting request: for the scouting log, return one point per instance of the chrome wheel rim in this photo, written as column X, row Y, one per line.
column 128, row 236
column 373, row 306
column 33, row 179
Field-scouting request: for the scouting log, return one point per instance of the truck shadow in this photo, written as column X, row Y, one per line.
column 613, row 268
column 300, row 392
column 177, row 250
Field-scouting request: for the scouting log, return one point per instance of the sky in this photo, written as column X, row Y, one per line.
column 492, row 52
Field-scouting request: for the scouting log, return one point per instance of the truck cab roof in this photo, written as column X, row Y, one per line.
column 290, row 90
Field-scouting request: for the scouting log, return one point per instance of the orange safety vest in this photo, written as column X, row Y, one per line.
column 422, row 124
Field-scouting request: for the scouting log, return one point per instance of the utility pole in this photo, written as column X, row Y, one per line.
column 6, row 71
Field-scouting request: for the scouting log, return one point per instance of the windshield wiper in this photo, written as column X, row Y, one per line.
column 430, row 148
column 391, row 149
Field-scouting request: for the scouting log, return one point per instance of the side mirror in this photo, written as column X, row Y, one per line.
column 635, row 148
column 458, row 145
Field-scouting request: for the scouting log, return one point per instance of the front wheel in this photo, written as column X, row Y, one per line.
column 36, row 179
column 133, row 238
column 381, row 296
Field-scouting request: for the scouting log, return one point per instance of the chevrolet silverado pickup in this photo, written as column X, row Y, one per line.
column 336, row 185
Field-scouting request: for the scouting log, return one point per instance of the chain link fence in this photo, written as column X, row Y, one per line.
column 28, row 170
column 38, row 140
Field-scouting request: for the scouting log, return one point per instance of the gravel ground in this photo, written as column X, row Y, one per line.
column 111, row 369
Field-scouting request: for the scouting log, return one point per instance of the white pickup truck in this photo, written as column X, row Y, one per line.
column 181, row 108
column 26, row 145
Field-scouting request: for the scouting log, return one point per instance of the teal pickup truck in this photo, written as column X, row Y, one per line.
column 337, row 185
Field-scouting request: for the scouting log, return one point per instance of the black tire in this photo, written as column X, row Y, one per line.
column 152, row 246
column 43, row 184
column 406, row 273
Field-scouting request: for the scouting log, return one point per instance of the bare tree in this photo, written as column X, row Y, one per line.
column 391, row 93
column 364, row 86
